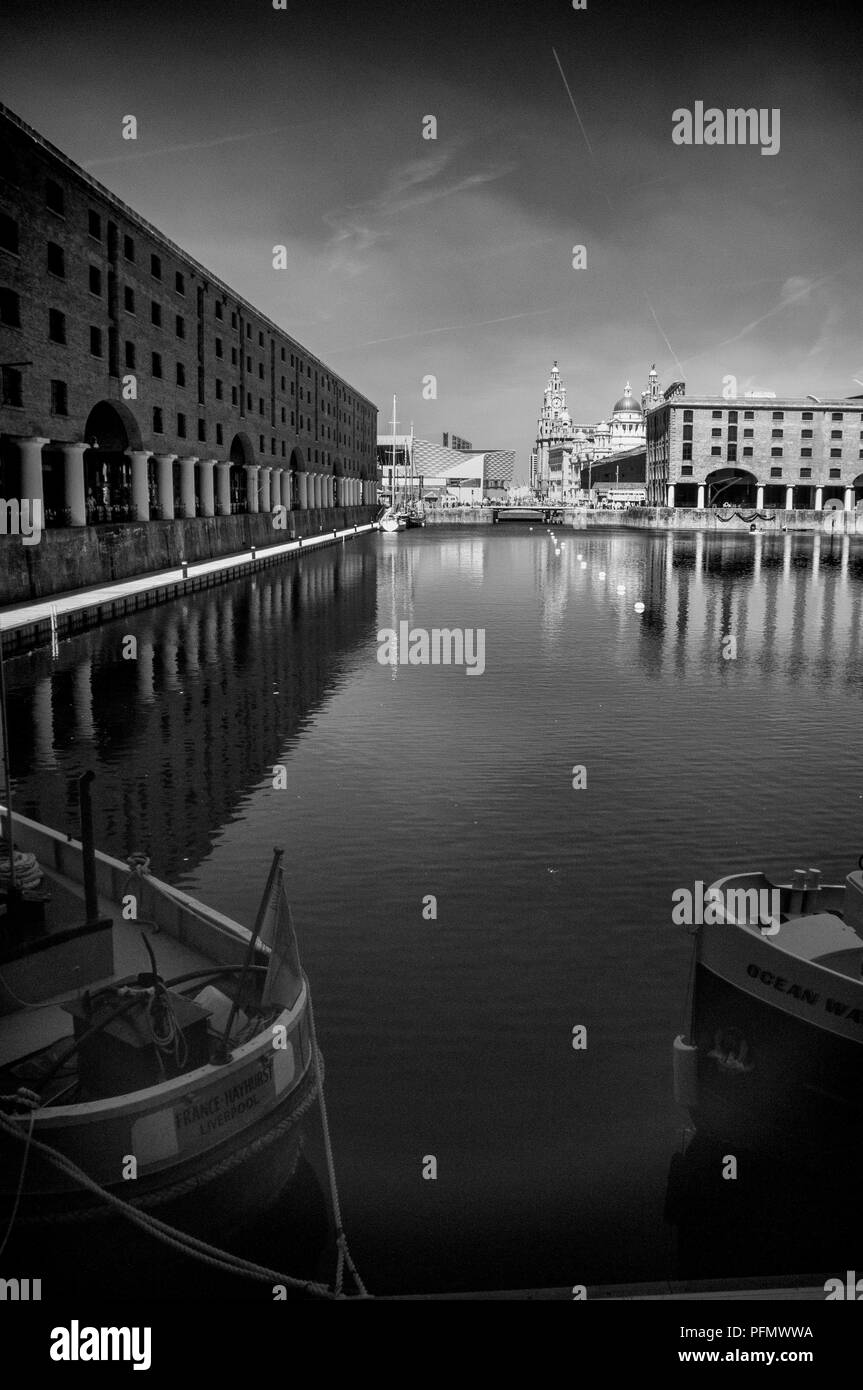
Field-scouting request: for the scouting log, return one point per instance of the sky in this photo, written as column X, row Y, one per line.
column 452, row 258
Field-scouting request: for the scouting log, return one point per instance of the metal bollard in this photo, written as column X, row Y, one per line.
column 184, row 566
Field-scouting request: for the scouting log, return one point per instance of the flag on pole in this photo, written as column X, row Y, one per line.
column 284, row 978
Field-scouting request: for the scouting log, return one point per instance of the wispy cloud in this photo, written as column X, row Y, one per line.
column 418, row 183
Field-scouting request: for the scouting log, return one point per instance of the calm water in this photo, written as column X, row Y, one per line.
column 452, row 1037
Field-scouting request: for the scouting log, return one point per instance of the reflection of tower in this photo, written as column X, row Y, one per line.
column 553, row 428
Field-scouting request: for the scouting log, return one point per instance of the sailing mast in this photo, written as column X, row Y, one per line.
column 393, row 466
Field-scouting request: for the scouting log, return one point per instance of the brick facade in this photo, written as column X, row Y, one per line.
column 126, row 340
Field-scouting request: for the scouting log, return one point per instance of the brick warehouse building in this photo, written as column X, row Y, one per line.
column 755, row 451
column 138, row 387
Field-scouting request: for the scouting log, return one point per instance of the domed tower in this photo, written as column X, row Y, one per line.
column 627, row 422
column 554, row 426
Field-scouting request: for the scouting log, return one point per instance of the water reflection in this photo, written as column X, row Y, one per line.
column 181, row 734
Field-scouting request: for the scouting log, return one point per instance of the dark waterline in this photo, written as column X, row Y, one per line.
column 452, row 1037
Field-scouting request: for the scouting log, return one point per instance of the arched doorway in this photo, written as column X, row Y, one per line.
column 858, row 492
column 733, row 487
column 110, row 430
column 297, row 466
column 241, row 456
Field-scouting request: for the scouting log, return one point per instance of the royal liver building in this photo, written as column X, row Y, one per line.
column 553, row 430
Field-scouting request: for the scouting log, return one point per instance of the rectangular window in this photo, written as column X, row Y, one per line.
column 261, row 370
column 835, row 472
column 261, row 341
column 220, row 352
column 219, row 438
column 10, row 309
column 156, row 364
column 716, row 451
column 776, row 453
column 283, row 442
column 181, row 374
column 686, row 470
column 8, row 233
column 248, row 364
column 158, row 424
column 747, row 452
column 749, row 414
column 805, row 434
column 732, row 432
column 806, row 472
column 261, row 437
column 130, row 356
column 218, row 308
column 57, row 326
column 248, row 330
column 128, row 299
column 95, row 280
column 836, row 453
column 56, row 260
column 128, row 248
column 233, row 320
column 179, row 282
column 807, row 415
column 283, row 414
column 95, row 341
column 94, row 224
column 775, row 434
column 155, row 313
column 155, row 266
column 283, row 358
column 11, row 380
column 732, row 417
column 717, row 414
column 260, row 405
column 54, row 197
column 776, row 472
column 835, row 434
column 779, row 414
column 181, row 426
column 248, row 400
column 202, row 431
column 233, row 395
column 283, row 383
column 59, row 398
column 837, row 415
column 732, row 453
column 806, row 453
column 272, row 446
column 218, row 389
column 233, row 357
column 181, row 326
column 716, row 434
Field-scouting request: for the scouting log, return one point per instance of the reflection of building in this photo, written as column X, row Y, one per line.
column 182, row 735
column 434, row 471
column 137, row 386
column 755, row 451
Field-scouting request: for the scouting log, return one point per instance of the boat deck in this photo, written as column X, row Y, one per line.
column 38, row 1026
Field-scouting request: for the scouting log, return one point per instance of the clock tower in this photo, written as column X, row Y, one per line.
column 554, row 429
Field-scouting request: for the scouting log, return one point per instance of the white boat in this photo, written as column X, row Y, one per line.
column 773, row 1057
column 144, row 1035
column 392, row 521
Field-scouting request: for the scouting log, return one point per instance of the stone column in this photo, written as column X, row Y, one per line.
column 187, row 485
column 208, row 503
column 759, row 496
column 287, row 500
column 140, row 483
column 669, row 496
column 700, row 500
column 819, row 498
column 223, row 489
column 165, row 483
column 266, row 474
column 252, row 486
column 849, row 499
column 73, row 482
column 303, row 485
column 30, row 454
column 789, row 499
